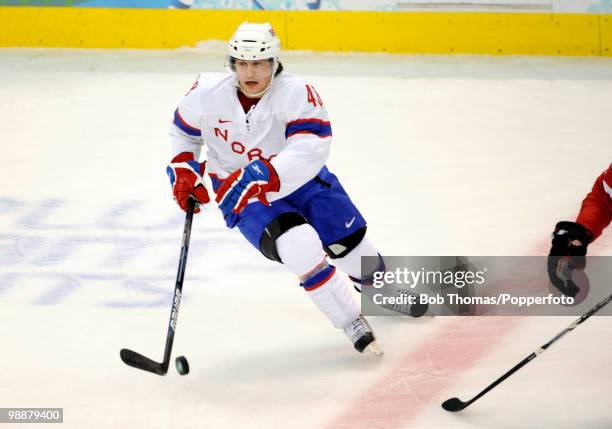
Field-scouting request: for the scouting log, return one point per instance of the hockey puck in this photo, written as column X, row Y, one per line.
column 182, row 366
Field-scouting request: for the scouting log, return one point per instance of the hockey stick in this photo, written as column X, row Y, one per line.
column 139, row 361
column 456, row 404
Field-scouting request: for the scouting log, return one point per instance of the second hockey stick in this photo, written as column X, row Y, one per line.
column 139, row 361
column 456, row 404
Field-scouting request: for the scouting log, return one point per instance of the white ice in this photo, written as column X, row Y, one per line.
column 444, row 156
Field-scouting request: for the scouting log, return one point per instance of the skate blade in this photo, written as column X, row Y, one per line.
column 374, row 349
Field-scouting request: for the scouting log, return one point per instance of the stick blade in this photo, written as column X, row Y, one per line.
column 139, row 361
column 453, row 405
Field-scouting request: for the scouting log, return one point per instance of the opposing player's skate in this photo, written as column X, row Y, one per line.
column 401, row 306
column 361, row 334
column 413, row 310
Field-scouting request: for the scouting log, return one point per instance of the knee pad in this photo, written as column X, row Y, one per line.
column 345, row 245
column 301, row 250
column 276, row 228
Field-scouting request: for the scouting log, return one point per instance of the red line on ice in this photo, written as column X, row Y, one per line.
column 421, row 376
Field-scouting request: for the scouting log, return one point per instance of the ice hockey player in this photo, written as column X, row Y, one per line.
column 571, row 239
column 267, row 136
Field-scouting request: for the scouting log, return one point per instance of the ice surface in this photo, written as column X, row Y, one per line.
column 444, row 156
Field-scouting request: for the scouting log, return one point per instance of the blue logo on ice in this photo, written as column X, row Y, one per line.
column 55, row 251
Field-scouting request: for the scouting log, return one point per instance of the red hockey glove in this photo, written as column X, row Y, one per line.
column 186, row 178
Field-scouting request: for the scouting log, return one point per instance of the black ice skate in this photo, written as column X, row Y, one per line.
column 360, row 333
column 415, row 310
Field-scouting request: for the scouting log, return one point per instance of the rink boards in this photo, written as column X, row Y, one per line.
column 492, row 33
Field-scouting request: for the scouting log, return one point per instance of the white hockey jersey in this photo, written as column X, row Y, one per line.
column 289, row 126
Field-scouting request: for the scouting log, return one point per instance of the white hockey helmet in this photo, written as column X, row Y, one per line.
column 254, row 42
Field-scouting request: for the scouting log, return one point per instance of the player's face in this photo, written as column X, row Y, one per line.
column 253, row 76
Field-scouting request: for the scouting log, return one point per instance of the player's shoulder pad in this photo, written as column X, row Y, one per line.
column 292, row 83
column 298, row 92
column 290, row 80
column 210, row 82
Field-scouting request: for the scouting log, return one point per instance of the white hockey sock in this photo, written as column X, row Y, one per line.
column 332, row 296
column 301, row 251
